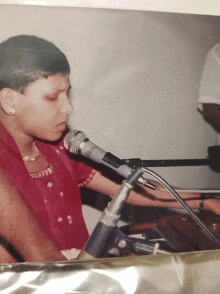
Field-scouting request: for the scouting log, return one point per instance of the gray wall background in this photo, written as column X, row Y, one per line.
column 135, row 78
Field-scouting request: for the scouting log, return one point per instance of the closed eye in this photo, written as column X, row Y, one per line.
column 51, row 98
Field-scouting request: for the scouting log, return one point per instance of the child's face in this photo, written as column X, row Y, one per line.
column 42, row 111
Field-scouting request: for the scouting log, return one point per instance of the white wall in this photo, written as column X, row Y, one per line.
column 210, row 7
column 135, row 76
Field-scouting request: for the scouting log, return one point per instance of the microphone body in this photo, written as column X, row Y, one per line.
column 76, row 142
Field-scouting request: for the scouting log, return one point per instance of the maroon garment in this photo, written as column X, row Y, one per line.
column 53, row 193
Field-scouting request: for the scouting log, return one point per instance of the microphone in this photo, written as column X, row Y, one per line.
column 76, row 142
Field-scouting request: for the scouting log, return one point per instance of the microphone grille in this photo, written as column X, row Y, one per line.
column 72, row 141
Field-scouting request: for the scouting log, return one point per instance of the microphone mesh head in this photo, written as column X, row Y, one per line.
column 72, row 141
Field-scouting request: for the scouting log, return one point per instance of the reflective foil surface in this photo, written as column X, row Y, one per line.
column 196, row 272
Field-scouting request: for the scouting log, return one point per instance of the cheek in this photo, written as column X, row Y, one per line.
column 41, row 113
column 37, row 114
column 34, row 119
column 27, row 110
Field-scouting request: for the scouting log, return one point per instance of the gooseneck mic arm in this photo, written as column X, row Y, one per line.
column 97, row 242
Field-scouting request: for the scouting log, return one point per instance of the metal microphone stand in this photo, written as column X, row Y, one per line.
column 98, row 241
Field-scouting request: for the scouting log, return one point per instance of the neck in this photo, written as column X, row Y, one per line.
column 2, row 114
column 24, row 142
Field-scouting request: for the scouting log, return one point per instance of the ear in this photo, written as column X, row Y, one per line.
column 7, row 100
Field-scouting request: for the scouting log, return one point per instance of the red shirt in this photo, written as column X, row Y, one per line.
column 53, row 193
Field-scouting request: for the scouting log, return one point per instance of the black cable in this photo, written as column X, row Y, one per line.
column 184, row 205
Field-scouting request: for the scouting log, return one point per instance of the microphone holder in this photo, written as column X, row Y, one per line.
column 97, row 243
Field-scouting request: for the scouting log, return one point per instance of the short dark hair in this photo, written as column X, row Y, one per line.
column 25, row 58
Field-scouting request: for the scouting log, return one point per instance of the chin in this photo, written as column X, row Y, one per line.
column 56, row 138
column 52, row 138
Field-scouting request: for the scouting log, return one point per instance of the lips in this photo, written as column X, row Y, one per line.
column 62, row 126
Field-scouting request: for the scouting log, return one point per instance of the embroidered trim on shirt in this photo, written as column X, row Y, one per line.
column 85, row 182
column 49, row 184
column 70, row 220
column 42, row 173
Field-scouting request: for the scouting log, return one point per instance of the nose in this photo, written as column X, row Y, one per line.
column 67, row 107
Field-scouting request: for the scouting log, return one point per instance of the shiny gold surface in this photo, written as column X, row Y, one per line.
column 194, row 272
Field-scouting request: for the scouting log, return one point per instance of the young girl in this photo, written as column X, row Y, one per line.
column 41, row 214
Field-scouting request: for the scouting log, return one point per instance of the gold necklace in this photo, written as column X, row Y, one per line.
column 33, row 157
